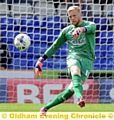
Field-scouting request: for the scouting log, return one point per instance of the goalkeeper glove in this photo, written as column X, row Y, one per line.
column 38, row 67
column 77, row 31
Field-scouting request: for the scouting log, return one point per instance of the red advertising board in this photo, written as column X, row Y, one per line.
column 44, row 90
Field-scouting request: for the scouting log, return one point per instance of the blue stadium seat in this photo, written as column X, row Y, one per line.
column 62, row 52
column 8, row 36
column 49, row 35
column 102, row 23
column 60, row 63
column 29, row 23
column 4, row 36
column 102, row 63
column 100, row 50
column 96, row 65
column 57, row 32
column 52, row 35
column 46, row 36
column 29, row 53
column 15, row 53
column 57, row 20
column 98, row 37
column 20, row 63
column 39, row 48
column 8, row 23
column 36, row 37
column 105, row 50
column 52, row 22
column 10, row 66
column 48, row 64
column 57, row 54
column 11, row 50
column 104, row 54
column 110, row 50
column 42, row 47
column 42, row 37
column 31, row 63
column 33, row 33
column 107, row 64
column 15, row 1
column 107, row 37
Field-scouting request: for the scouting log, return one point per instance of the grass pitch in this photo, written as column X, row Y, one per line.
column 59, row 108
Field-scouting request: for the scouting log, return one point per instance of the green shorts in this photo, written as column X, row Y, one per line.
column 84, row 64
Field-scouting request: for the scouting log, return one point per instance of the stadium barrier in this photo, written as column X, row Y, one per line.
column 18, row 89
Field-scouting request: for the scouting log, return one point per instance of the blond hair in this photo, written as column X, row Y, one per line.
column 71, row 8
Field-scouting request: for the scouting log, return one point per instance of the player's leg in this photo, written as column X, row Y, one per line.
column 80, row 70
column 81, row 101
column 85, row 71
column 75, row 68
column 77, row 83
column 76, row 80
column 60, row 98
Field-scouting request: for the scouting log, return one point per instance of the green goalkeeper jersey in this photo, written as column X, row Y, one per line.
column 83, row 46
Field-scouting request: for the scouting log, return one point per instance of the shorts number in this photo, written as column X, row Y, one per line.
column 87, row 73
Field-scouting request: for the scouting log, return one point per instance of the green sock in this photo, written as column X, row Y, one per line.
column 78, row 89
column 60, row 98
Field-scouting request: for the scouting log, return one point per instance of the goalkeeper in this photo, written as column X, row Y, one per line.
column 80, row 36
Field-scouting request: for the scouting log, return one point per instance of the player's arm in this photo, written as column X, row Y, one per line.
column 56, row 45
column 49, row 52
column 91, row 27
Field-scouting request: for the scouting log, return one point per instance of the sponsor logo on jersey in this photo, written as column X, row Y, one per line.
column 78, row 41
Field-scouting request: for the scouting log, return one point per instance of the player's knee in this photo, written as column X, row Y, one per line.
column 75, row 70
column 76, row 74
column 72, row 89
column 82, row 82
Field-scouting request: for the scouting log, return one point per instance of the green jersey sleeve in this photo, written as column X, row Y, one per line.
column 56, row 45
column 91, row 27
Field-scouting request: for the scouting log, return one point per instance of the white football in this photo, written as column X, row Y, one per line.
column 22, row 41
